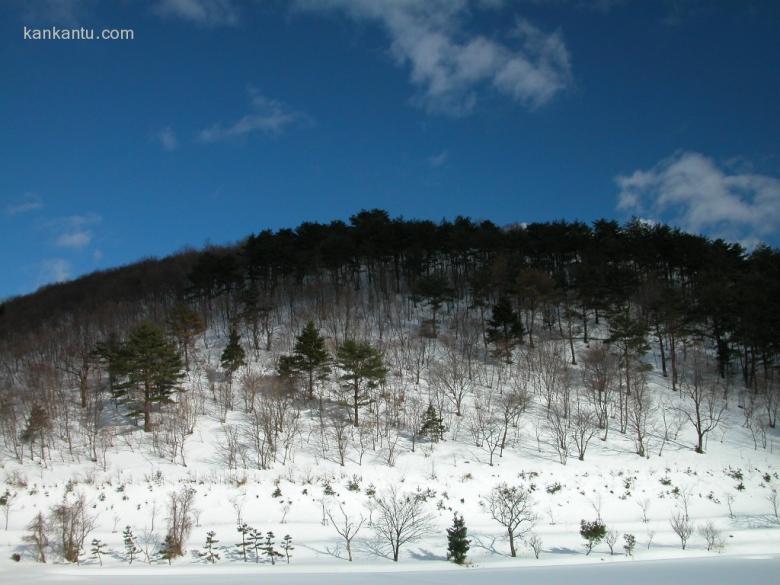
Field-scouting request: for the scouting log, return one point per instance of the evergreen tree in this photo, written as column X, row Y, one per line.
column 363, row 368
column 210, row 554
column 98, row 550
column 457, row 543
column 269, row 549
column 505, row 328
column 233, row 357
column 593, row 533
column 629, row 335
column 244, row 530
column 131, row 548
column 287, row 547
column 185, row 324
column 169, row 549
column 151, row 364
column 310, row 357
column 256, row 542
column 432, row 426
column 37, row 424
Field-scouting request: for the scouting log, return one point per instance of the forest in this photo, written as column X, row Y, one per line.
column 359, row 342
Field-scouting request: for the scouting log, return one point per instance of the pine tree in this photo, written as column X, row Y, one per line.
column 131, row 548
column 169, row 549
column 233, row 357
column 256, row 542
column 210, row 554
column 630, row 337
column 98, row 550
column 432, row 426
column 505, row 328
column 363, row 369
column 310, row 357
column 287, row 547
column 593, row 533
column 269, row 549
column 152, row 365
column 457, row 543
column 243, row 530
column 37, row 424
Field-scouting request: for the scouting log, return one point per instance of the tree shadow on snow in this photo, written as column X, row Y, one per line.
column 563, row 550
column 487, row 543
column 426, row 555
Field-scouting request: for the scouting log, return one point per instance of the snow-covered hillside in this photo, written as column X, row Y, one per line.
column 732, row 485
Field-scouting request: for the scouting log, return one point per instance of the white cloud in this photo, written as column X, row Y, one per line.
column 268, row 116
column 72, row 231
column 29, row 202
column 78, row 239
column 449, row 65
column 201, row 12
column 54, row 270
column 167, row 139
column 437, row 160
column 692, row 191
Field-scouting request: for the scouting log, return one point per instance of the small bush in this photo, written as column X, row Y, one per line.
column 593, row 533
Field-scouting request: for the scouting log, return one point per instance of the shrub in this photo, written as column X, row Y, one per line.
column 593, row 533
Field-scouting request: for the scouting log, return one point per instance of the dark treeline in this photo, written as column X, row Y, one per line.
column 673, row 281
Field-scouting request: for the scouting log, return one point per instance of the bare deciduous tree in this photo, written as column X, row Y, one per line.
column 401, row 518
column 346, row 527
column 180, row 509
column 705, row 404
column 511, row 506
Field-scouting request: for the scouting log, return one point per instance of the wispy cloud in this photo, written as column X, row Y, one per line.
column 450, row 66
column 437, row 160
column 29, row 202
column 694, row 192
column 167, row 139
column 201, row 12
column 268, row 116
column 78, row 239
column 73, row 231
column 53, row 270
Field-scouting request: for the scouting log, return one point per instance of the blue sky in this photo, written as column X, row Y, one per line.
column 224, row 117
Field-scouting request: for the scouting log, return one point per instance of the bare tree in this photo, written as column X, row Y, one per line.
column 70, row 523
column 38, row 537
column 557, row 432
column 536, row 543
column 401, row 518
column 341, row 432
column 511, row 506
column 640, row 404
column 346, row 527
column 583, row 427
column 599, row 370
column 611, row 538
column 682, row 526
column 705, row 399
column 711, row 536
column 450, row 376
column 180, row 509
